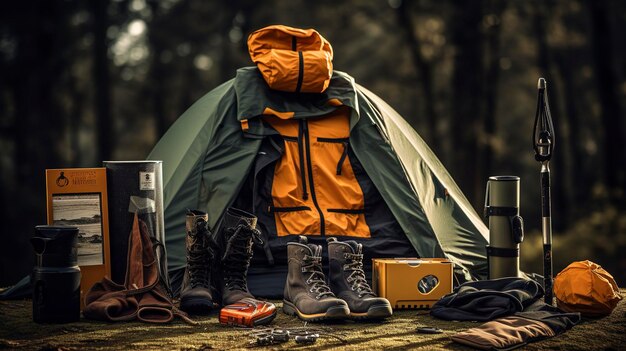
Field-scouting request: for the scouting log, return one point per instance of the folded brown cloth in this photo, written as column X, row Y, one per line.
column 143, row 295
column 537, row 322
column 504, row 333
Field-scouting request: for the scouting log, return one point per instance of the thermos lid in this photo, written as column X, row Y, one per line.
column 131, row 162
column 505, row 178
column 55, row 246
column 53, row 231
column 55, row 228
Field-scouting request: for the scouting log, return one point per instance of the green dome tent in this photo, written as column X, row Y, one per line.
column 221, row 150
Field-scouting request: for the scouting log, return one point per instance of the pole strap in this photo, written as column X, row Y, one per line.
column 501, row 211
column 543, row 129
column 502, row 252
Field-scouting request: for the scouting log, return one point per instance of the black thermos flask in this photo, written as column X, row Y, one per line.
column 56, row 276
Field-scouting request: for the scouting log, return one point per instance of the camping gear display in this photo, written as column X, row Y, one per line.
column 307, row 295
column 412, row 282
column 511, row 332
column 196, row 296
column 506, row 227
column 587, row 288
column 56, row 275
column 347, row 281
column 374, row 180
column 487, row 299
column 544, row 141
column 144, row 295
column 134, row 187
column 248, row 312
column 284, row 54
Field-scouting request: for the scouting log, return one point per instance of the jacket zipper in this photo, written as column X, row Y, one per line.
column 304, row 125
column 305, row 195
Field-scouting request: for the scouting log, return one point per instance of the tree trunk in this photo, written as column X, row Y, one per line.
column 74, row 122
column 37, row 125
column 101, row 79
column 560, row 195
column 157, row 72
column 492, row 74
column 577, row 174
column 424, row 71
column 467, row 86
column 606, row 79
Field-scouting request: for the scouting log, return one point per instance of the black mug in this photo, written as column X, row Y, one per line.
column 56, row 276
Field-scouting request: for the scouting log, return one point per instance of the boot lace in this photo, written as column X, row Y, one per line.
column 356, row 279
column 199, row 258
column 313, row 265
column 238, row 254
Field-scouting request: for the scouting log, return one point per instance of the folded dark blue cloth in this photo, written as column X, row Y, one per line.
column 487, row 299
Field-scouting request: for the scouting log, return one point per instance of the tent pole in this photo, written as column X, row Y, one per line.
column 543, row 143
column 546, row 228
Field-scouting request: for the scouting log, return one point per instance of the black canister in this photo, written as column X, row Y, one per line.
column 56, row 276
column 506, row 227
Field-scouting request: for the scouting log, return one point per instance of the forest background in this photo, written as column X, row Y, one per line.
column 86, row 81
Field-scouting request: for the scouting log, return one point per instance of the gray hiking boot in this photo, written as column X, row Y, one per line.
column 347, row 281
column 195, row 296
column 238, row 236
column 306, row 293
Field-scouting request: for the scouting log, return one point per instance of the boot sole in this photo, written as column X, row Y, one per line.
column 332, row 313
column 196, row 306
column 374, row 312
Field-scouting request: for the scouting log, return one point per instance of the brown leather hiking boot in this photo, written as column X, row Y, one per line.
column 306, row 293
column 347, row 281
column 195, row 295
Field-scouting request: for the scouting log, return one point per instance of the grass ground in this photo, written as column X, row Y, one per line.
column 18, row 332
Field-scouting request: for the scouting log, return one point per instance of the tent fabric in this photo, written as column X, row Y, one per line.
column 211, row 152
column 205, row 168
column 460, row 231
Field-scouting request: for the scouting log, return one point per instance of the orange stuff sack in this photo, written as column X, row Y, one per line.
column 587, row 288
column 292, row 59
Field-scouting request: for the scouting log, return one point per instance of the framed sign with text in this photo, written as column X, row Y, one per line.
column 78, row 197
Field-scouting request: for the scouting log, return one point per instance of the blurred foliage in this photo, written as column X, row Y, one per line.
column 598, row 237
column 84, row 81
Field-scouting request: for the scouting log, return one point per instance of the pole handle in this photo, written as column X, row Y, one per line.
column 548, row 274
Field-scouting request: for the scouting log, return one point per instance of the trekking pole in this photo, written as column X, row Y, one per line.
column 543, row 143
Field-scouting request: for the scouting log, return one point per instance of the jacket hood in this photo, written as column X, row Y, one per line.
column 292, row 59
